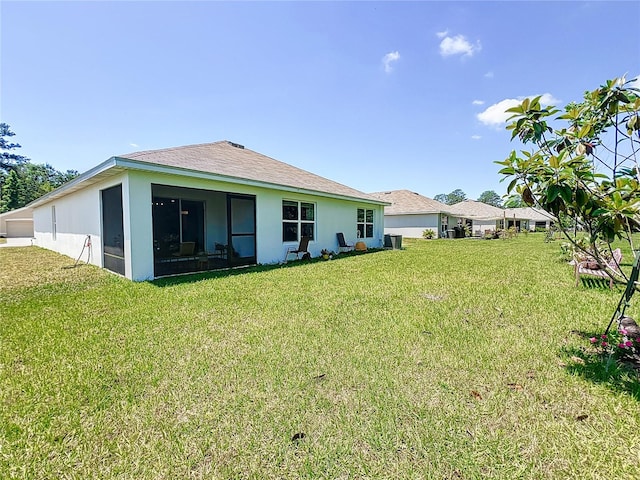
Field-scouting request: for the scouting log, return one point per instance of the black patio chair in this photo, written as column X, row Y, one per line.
column 301, row 250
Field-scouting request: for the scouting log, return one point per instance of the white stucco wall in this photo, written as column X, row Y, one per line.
column 79, row 214
column 411, row 226
column 332, row 216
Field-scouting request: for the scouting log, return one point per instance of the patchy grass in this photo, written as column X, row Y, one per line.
column 448, row 359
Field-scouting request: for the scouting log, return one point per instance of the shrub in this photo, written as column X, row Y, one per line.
column 428, row 234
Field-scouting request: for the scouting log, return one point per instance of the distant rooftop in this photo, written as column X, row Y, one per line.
column 406, row 202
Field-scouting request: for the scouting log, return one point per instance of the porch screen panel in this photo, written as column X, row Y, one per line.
column 243, row 228
column 192, row 221
column 113, row 230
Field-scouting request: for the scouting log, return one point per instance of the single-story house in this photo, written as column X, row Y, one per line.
column 217, row 205
column 17, row 223
column 534, row 217
column 410, row 214
column 481, row 217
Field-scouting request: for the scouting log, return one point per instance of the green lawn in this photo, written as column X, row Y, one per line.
column 455, row 359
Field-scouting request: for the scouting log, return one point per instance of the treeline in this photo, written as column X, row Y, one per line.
column 489, row 197
column 21, row 181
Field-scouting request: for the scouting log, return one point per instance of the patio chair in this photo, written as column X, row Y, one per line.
column 300, row 250
column 343, row 246
column 589, row 266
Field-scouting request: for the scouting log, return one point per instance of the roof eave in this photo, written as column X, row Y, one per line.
column 94, row 175
column 172, row 170
column 116, row 164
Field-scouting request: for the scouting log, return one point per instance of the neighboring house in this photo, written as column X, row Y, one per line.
column 183, row 209
column 480, row 217
column 410, row 214
column 17, row 223
column 534, row 217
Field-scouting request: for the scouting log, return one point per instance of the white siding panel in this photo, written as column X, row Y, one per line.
column 411, row 226
column 77, row 215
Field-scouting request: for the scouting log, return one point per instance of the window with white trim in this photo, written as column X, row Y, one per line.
column 365, row 223
column 298, row 220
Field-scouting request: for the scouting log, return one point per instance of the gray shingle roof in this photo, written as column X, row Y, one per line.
column 479, row 210
column 475, row 209
column 530, row 213
column 406, row 202
column 232, row 160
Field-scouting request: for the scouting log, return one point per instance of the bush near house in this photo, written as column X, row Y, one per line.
column 428, row 234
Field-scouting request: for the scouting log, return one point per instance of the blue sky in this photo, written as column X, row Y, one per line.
column 376, row 95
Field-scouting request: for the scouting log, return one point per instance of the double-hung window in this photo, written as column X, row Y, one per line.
column 365, row 223
column 298, row 220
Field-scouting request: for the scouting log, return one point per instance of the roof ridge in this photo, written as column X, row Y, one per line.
column 180, row 147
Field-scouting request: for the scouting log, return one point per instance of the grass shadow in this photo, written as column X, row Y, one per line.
column 597, row 283
column 603, row 369
column 186, row 278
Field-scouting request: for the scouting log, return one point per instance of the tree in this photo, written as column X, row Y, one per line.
column 490, row 198
column 28, row 181
column 13, row 193
column 587, row 168
column 514, row 201
column 456, row 196
column 21, row 181
column 8, row 159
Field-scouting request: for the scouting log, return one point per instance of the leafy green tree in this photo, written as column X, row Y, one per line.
column 490, row 198
column 13, row 192
column 451, row 198
column 586, row 168
column 456, row 196
column 514, row 201
column 21, row 181
column 29, row 181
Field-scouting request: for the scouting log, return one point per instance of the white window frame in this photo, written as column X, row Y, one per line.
column 365, row 223
column 298, row 221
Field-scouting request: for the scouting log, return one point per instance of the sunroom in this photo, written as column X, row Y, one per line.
column 198, row 230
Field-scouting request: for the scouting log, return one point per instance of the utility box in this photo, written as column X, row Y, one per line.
column 396, row 242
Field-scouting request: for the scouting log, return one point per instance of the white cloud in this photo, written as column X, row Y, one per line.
column 496, row 115
column 475, row 137
column 134, row 145
column 547, row 99
column 388, row 59
column 488, row 75
column 478, row 102
column 442, row 34
column 458, row 45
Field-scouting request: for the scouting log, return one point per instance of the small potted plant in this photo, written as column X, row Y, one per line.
column 326, row 254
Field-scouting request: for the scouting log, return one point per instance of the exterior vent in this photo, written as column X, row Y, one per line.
column 237, row 145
